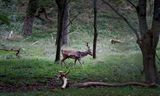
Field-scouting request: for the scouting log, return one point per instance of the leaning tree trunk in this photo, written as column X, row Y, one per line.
column 95, row 28
column 30, row 15
column 61, row 6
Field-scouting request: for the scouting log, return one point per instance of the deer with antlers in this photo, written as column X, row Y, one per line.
column 76, row 55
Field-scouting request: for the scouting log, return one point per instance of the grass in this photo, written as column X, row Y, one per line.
column 127, row 91
column 115, row 68
column 36, row 65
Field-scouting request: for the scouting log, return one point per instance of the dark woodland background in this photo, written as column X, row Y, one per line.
column 115, row 42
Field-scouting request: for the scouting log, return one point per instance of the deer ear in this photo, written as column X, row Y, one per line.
column 87, row 43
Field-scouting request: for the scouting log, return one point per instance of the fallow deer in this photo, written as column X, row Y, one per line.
column 114, row 41
column 76, row 55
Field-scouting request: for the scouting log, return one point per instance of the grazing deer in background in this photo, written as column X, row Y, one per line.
column 76, row 55
column 114, row 41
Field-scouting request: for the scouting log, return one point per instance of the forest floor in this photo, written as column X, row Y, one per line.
column 34, row 72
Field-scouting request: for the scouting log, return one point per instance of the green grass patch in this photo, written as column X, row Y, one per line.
column 125, row 91
column 114, row 68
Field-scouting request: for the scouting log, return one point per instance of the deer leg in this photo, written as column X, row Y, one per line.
column 79, row 60
column 62, row 61
column 75, row 61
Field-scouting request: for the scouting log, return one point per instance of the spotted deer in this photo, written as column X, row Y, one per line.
column 76, row 55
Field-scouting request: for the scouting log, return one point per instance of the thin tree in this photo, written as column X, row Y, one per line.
column 61, row 4
column 147, row 39
column 95, row 28
column 30, row 16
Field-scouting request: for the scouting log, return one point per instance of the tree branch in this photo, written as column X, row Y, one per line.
column 70, row 22
column 132, row 4
column 68, row 2
column 113, row 17
column 125, row 19
column 158, row 58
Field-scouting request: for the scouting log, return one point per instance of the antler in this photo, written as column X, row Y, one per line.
column 87, row 45
column 63, row 76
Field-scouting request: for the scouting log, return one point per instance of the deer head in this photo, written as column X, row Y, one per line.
column 89, row 50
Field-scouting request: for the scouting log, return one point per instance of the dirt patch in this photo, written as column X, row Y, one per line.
column 29, row 87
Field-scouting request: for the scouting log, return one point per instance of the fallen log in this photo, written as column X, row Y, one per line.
column 17, row 51
column 103, row 84
column 63, row 76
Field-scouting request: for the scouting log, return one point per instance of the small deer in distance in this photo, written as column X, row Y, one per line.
column 76, row 55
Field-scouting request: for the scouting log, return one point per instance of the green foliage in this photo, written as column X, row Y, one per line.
column 128, row 91
column 4, row 19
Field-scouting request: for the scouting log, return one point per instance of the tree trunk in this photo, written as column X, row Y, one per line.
column 141, row 12
column 65, row 27
column 29, row 19
column 95, row 28
column 27, row 27
column 146, row 44
column 149, row 60
column 156, row 22
column 61, row 7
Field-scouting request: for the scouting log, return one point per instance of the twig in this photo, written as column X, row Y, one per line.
column 71, row 22
column 52, row 37
column 35, row 43
column 158, row 58
column 112, row 17
column 132, row 4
